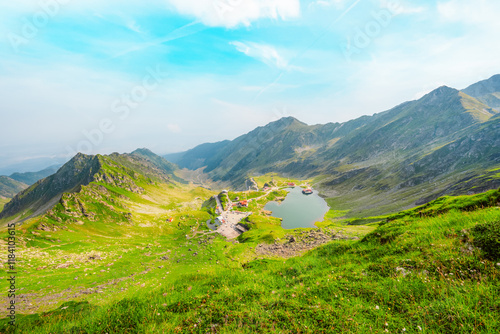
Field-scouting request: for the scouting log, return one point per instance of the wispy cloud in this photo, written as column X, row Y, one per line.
column 230, row 13
column 264, row 53
column 184, row 31
column 229, row 63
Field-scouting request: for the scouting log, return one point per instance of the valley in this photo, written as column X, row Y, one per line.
column 404, row 234
column 443, row 143
column 234, row 167
column 65, row 255
column 151, row 275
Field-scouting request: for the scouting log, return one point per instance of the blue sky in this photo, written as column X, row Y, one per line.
column 105, row 76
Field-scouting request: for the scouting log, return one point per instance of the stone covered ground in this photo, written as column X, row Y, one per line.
column 294, row 245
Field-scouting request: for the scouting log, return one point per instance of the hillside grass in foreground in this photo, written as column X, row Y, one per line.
column 411, row 274
column 439, row 206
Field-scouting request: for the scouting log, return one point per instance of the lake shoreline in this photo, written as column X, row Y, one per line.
column 298, row 210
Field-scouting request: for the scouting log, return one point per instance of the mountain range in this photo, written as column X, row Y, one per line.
column 11, row 185
column 446, row 142
column 124, row 243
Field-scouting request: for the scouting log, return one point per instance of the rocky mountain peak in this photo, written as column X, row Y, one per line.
column 287, row 121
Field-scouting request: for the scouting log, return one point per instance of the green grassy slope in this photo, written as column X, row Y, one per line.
column 114, row 173
column 10, row 187
column 3, row 201
column 437, row 274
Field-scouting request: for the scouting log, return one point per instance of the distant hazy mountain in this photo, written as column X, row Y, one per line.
column 263, row 149
column 486, row 91
column 10, row 187
column 122, row 171
column 31, row 177
column 32, row 164
column 406, row 155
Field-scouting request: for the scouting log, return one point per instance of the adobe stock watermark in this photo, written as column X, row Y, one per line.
column 364, row 36
column 32, row 25
column 121, row 109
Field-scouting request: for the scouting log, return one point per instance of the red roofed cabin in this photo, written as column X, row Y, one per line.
column 244, row 203
column 170, row 220
column 291, row 184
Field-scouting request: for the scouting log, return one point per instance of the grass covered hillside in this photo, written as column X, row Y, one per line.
column 100, row 174
column 437, row 272
column 3, row 200
column 10, row 187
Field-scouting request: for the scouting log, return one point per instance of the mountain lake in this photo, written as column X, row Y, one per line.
column 299, row 210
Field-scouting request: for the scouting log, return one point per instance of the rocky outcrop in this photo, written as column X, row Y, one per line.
column 77, row 172
column 119, row 181
column 294, row 245
column 251, row 184
column 86, row 174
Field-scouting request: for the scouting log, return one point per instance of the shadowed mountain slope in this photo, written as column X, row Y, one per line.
column 31, row 177
column 429, row 144
column 116, row 170
column 486, row 91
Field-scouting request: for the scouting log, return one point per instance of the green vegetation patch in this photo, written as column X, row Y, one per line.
column 448, row 203
column 437, row 273
column 487, row 238
column 409, row 275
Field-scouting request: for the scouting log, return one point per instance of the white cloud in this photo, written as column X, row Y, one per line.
column 97, row 6
column 232, row 13
column 264, row 53
column 213, row 13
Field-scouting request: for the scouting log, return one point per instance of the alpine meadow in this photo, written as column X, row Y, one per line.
column 277, row 182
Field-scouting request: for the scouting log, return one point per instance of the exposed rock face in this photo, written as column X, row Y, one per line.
column 119, row 181
column 251, row 184
column 296, row 245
